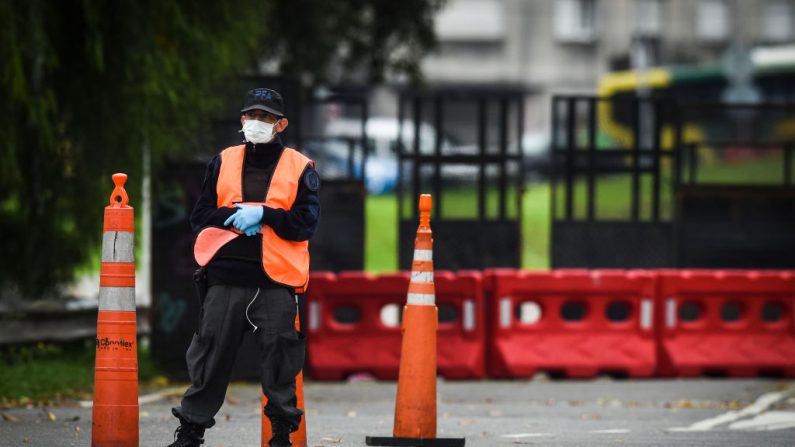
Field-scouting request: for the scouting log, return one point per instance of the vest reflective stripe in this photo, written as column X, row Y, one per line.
column 285, row 262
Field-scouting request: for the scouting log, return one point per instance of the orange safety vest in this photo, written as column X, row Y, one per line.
column 284, row 262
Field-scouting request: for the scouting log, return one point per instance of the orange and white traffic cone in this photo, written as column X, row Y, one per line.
column 115, row 412
column 298, row 438
column 415, row 407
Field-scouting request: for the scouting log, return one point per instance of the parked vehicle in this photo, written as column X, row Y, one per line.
column 342, row 137
column 536, row 154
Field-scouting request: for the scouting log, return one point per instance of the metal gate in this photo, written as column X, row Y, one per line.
column 341, row 162
column 646, row 183
column 585, row 234
column 464, row 147
column 732, row 219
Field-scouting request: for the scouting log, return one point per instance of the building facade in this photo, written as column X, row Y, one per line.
column 566, row 46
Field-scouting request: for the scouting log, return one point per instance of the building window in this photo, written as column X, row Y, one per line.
column 471, row 20
column 777, row 21
column 713, row 20
column 648, row 18
column 575, row 20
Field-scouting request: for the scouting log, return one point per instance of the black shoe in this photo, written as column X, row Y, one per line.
column 188, row 435
column 281, row 430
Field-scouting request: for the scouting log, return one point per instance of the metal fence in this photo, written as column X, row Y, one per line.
column 656, row 182
column 464, row 147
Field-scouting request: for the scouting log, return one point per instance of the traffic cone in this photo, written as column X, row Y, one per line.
column 415, row 407
column 298, row 437
column 115, row 410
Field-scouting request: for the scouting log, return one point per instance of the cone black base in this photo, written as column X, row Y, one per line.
column 414, row 442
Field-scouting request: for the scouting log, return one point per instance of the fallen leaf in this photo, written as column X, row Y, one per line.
column 51, row 416
column 227, row 417
column 159, row 381
column 10, row 418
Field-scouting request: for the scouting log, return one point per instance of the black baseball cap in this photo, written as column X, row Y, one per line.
column 264, row 99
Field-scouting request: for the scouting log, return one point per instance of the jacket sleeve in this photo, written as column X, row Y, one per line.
column 301, row 221
column 206, row 212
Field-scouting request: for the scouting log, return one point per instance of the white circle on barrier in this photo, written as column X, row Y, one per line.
column 390, row 315
column 529, row 312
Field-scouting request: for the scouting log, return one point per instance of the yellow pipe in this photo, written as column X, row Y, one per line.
column 623, row 82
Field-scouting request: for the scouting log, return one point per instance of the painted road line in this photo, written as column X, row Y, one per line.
column 772, row 420
column 610, row 431
column 709, row 424
column 761, row 404
column 526, row 435
column 147, row 398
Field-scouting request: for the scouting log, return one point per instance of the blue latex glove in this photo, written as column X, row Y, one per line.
column 252, row 230
column 246, row 219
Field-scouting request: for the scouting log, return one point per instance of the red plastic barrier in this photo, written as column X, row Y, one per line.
column 736, row 323
column 370, row 341
column 575, row 322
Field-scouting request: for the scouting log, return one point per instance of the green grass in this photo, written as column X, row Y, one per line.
column 41, row 372
column 535, row 227
column 381, row 234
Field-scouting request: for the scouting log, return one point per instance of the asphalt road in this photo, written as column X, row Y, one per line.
column 600, row 412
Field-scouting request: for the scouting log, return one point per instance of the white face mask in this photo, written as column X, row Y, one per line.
column 257, row 131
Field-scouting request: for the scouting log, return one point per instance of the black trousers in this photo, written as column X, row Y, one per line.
column 227, row 313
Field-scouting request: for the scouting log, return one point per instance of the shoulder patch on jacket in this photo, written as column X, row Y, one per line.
column 312, row 180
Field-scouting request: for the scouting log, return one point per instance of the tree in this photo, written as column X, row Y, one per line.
column 374, row 36
column 87, row 84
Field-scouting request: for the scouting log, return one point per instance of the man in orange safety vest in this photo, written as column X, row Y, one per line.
column 258, row 209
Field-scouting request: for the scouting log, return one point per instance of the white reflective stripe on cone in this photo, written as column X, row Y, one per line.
column 505, row 312
column 117, row 298
column 423, row 255
column 117, row 246
column 422, row 277
column 670, row 312
column 314, row 316
column 469, row 315
column 423, row 299
column 645, row 314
